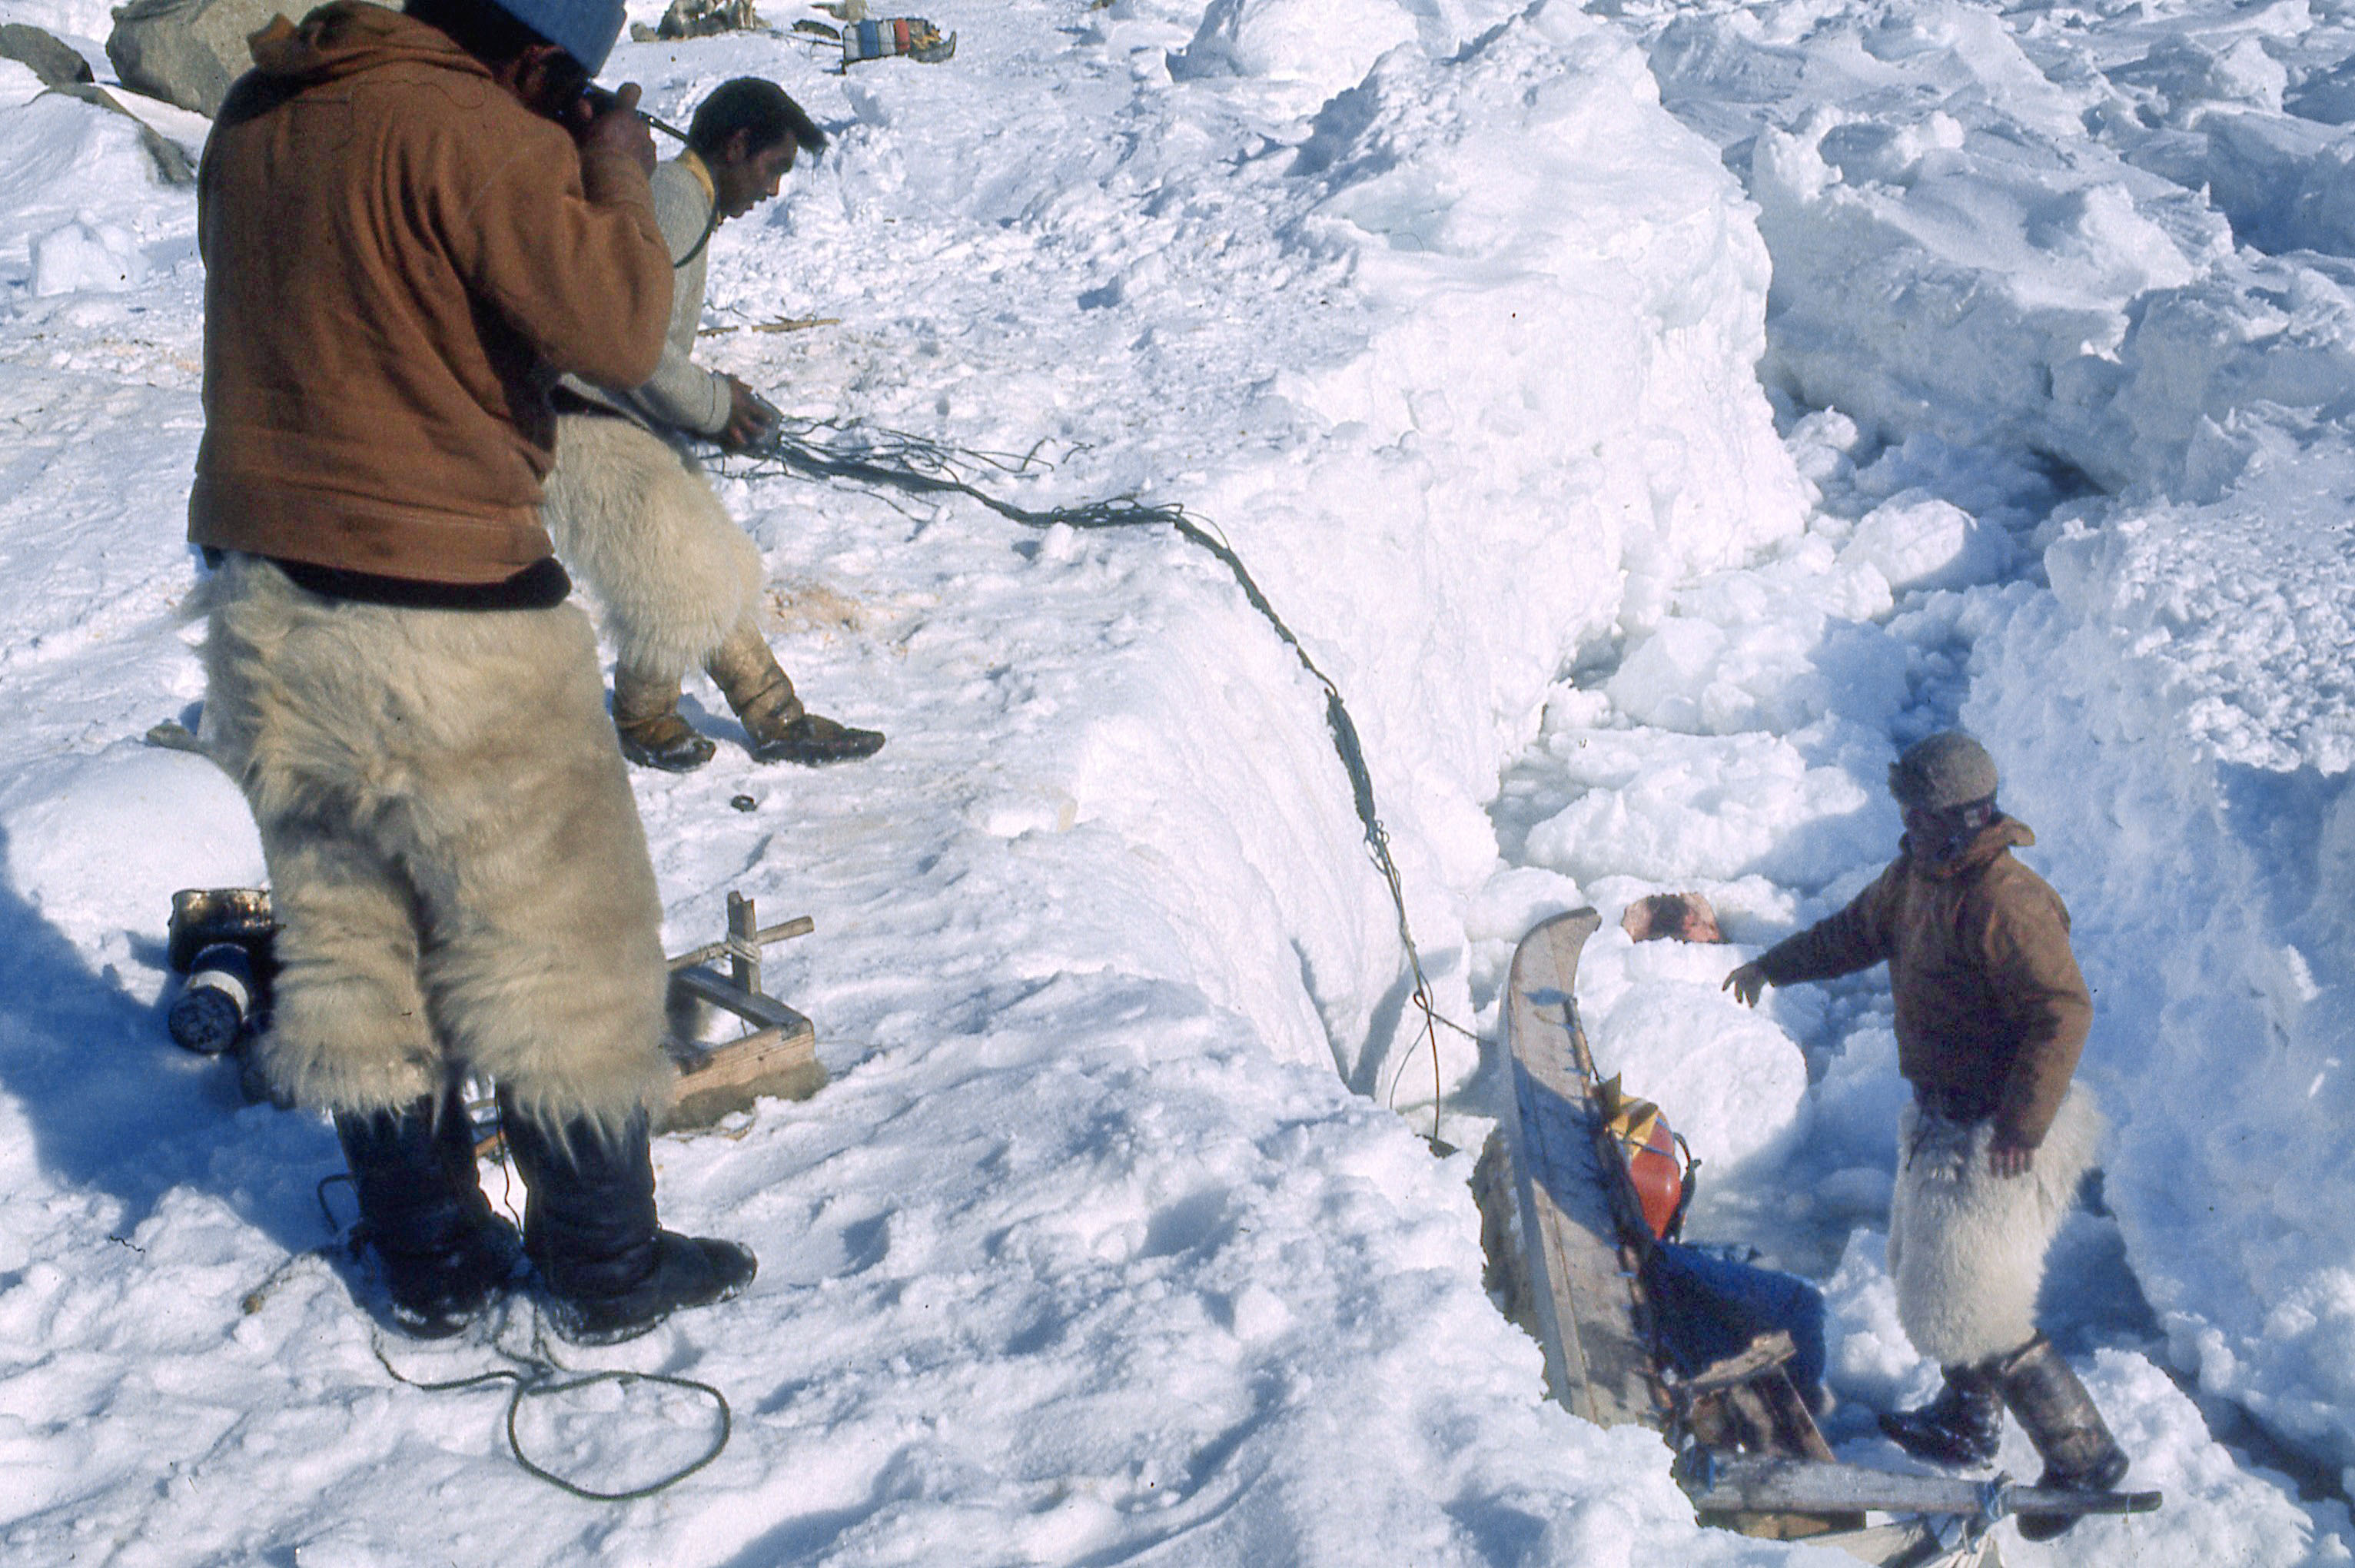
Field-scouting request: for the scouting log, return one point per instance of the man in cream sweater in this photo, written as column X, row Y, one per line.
column 628, row 505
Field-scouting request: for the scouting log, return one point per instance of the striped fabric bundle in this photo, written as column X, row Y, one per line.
column 885, row 37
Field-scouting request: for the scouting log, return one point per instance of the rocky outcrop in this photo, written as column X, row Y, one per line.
column 62, row 70
column 55, row 61
column 173, row 165
column 187, row 52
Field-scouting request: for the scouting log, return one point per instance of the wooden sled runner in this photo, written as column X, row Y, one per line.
column 1749, row 1453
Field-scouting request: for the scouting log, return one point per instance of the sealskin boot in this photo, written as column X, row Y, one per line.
column 2078, row 1451
column 1963, row 1425
column 782, row 730
column 646, row 719
column 609, row 1272
column 446, row 1257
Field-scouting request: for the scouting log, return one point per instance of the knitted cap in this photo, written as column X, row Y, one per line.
column 1942, row 772
column 585, row 30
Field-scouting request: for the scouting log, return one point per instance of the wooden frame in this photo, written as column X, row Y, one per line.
column 777, row 1055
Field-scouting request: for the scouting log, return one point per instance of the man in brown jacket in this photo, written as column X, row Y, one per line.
column 1991, row 1017
column 410, row 224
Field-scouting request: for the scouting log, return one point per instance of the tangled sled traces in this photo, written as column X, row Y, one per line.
column 888, row 460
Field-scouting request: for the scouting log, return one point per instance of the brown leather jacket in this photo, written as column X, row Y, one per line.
column 1991, row 1011
column 399, row 259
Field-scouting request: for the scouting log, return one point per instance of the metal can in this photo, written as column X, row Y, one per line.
column 210, row 1014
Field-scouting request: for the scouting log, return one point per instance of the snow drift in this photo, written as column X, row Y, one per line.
column 2112, row 264
column 1101, row 1242
column 1091, row 1246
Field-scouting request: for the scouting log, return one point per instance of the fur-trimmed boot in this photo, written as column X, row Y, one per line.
column 446, row 1257
column 783, row 731
column 1963, row 1425
column 610, row 1271
column 2078, row 1451
column 646, row 719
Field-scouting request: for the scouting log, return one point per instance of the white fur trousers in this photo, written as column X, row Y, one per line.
column 636, row 521
column 1967, row 1247
column 456, row 858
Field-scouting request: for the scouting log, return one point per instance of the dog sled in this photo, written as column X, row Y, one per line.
column 1572, row 1208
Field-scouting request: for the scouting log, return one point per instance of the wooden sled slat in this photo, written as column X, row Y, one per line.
column 779, row 1058
column 1753, row 1458
column 1583, row 1285
column 754, row 1008
column 1918, row 1542
column 1745, row 1482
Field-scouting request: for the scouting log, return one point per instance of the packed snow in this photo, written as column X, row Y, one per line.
column 1649, row 416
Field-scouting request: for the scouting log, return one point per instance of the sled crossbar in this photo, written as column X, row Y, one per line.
column 1748, row 1483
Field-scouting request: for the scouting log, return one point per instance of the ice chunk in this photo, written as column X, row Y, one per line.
column 1730, row 1082
column 1667, row 680
column 1677, row 809
column 1320, row 47
column 87, row 256
column 1513, row 903
column 1915, row 540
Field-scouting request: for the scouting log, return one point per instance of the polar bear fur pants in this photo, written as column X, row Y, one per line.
column 1967, row 1247
column 634, row 519
column 455, row 859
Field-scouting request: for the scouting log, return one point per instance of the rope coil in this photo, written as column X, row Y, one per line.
column 536, row 1374
column 540, row 1375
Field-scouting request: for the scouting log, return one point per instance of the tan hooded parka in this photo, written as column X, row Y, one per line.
column 1991, row 1010
column 400, row 258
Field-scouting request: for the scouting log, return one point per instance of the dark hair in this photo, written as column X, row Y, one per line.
column 761, row 107
column 1667, row 915
column 477, row 27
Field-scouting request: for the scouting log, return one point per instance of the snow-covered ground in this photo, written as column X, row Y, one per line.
column 1649, row 416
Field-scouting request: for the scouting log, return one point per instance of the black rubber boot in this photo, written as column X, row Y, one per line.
column 446, row 1255
column 609, row 1271
column 2079, row 1453
column 1963, row 1425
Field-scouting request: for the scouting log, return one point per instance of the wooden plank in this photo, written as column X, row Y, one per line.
column 715, row 1080
column 1758, row 1414
column 756, row 1007
column 779, row 1058
column 743, row 943
column 800, row 925
column 1581, row 1279
column 1763, row 1354
column 1727, row 1484
column 1914, row 1543
column 1762, row 1416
